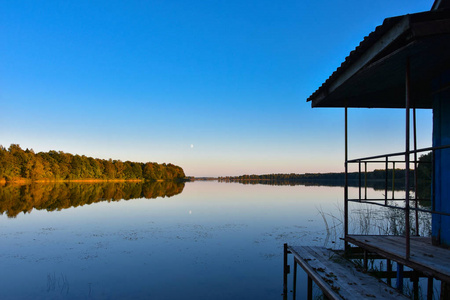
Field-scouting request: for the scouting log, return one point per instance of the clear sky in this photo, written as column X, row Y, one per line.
column 217, row 87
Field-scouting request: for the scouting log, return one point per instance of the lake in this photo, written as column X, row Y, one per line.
column 198, row 240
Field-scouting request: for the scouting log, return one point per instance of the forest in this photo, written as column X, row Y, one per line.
column 17, row 164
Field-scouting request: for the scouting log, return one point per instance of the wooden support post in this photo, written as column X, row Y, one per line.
column 285, row 271
column 430, row 288
column 310, row 293
column 445, row 291
column 415, row 280
column 389, row 269
column 294, row 289
column 399, row 284
column 365, row 261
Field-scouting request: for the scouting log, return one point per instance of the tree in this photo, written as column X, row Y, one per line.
column 119, row 168
column 110, row 170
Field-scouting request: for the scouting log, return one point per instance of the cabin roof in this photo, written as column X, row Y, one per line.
column 373, row 75
column 440, row 4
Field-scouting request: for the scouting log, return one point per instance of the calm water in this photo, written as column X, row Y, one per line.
column 203, row 240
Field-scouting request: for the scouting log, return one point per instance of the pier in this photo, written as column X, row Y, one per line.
column 336, row 276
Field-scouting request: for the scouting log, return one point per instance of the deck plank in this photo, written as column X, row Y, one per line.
column 425, row 257
column 341, row 275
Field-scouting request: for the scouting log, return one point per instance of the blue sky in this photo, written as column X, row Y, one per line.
column 217, row 87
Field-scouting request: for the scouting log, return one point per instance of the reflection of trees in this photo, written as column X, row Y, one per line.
column 372, row 183
column 376, row 179
column 23, row 198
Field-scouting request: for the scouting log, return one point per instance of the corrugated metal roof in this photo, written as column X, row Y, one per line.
column 361, row 48
column 407, row 29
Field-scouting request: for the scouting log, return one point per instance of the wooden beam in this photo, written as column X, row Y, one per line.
column 323, row 285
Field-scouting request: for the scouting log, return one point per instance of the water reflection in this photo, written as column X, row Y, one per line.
column 424, row 186
column 375, row 184
column 17, row 198
column 226, row 237
column 231, row 243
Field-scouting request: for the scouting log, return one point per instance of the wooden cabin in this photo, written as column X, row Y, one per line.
column 403, row 64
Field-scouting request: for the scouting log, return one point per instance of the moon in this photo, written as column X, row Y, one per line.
column 192, row 146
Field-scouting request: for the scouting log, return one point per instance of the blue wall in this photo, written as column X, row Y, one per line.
column 441, row 136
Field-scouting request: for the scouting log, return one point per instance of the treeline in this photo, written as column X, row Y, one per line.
column 423, row 173
column 18, row 198
column 17, row 164
column 339, row 177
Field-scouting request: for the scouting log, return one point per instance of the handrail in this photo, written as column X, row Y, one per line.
column 397, row 154
column 386, row 161
column 354, row 161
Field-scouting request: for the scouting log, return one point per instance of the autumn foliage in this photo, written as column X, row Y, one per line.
column 17, row 164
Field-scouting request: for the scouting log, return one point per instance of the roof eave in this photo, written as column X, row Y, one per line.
column 371, row 64
column 396, row 30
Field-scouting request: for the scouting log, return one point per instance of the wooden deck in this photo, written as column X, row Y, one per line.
column 337, row 277
column 431, row 260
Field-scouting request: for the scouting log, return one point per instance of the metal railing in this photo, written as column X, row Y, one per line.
column 389, row 160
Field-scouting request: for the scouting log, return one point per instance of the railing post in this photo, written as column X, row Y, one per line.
column 407, row 105
column 393, row 180
column 416, row 183
column 433, row 181
column 346, row 245
column 386, row 181
column 365, row 180
column 359, row 177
